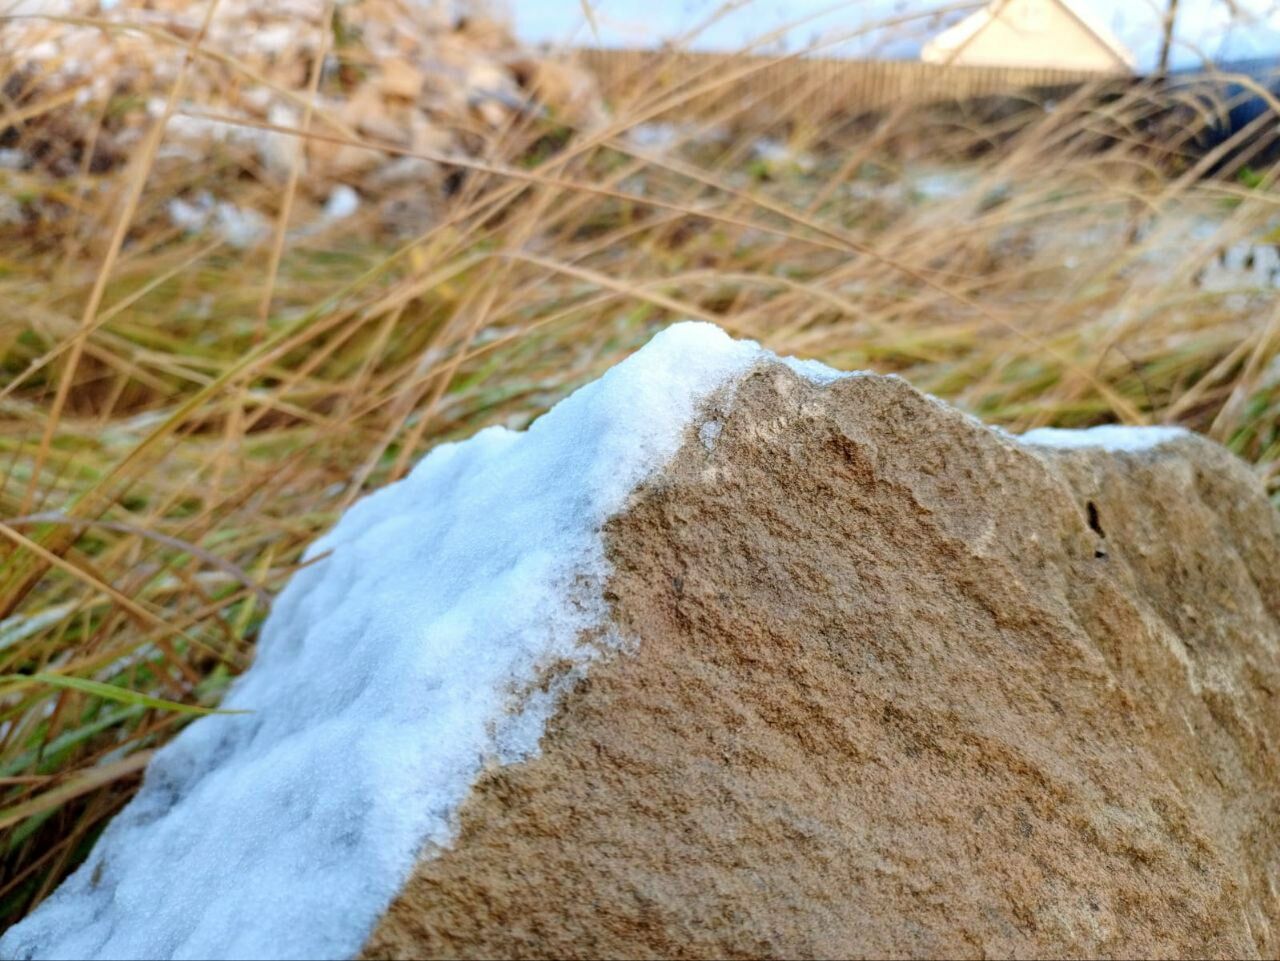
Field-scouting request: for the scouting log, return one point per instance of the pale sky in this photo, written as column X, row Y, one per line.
column 1205, row 27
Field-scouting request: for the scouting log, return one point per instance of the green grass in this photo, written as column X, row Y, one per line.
column 159, row 481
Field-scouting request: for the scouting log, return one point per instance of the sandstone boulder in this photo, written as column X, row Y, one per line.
column 729, row 656
column 900, row 687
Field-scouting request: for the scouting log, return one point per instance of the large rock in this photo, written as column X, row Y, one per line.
column 729, row 657
column 900, row 686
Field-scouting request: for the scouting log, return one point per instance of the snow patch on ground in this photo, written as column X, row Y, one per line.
column 342, row 203
column 404, row 658
column 1108, row 437
column 238, row 226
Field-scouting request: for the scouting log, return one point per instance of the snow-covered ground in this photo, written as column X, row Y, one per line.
column 413, row 650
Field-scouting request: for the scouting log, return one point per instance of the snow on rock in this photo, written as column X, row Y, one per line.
column 391, row 670
column 1110, row 437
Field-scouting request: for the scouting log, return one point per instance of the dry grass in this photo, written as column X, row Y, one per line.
column 178, row 418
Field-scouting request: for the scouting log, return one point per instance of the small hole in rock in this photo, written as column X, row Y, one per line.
column 1094, row 525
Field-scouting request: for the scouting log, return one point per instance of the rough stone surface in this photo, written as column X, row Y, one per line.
column 898, row 686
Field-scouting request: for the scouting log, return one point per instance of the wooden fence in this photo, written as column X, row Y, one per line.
column 701, row 85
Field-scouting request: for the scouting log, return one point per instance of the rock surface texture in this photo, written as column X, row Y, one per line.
column 895, row 684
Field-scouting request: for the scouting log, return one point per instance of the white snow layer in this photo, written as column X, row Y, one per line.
column 390, row 671
column 1110, row 437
